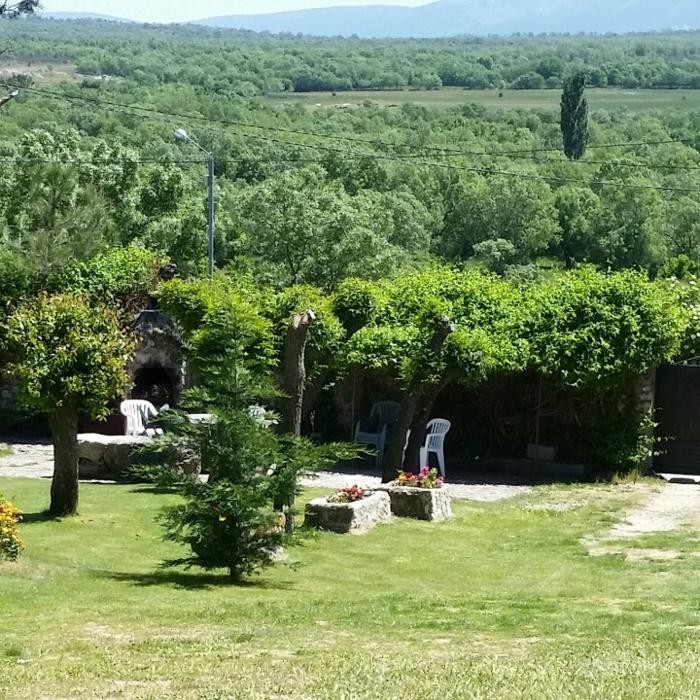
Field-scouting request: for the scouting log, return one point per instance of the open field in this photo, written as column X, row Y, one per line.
column 600, row 99
column 51, row 74
column 501, row 602
column 44, row 74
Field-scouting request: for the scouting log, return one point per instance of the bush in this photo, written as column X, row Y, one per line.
column 16, row 277
column 126, row 275
column 10, row 543
column 229, row 521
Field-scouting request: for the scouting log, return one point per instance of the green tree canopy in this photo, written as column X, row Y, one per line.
column 68, row 359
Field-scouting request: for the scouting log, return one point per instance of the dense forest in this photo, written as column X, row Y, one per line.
column 310, row 195
column 245, row 63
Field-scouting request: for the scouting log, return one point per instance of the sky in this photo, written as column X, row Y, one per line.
column 184, row 10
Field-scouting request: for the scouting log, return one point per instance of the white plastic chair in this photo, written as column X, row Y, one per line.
column 374, row 430
column 138, row 415
column 435, row 443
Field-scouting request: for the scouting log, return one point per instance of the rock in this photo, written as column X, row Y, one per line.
column 421, row 504
column 356, row 517
column 106, row 456
column 189, row 462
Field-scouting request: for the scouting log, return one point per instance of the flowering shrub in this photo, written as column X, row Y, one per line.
column 10, row 543
column 427, row 478
column 351, row 494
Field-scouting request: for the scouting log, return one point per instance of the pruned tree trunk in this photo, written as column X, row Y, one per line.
column 311, row 394
column 293, row 383
column 294, row 371
column 64, row 487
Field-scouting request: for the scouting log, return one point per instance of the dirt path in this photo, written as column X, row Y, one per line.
column 672, row 507
column 34, row 461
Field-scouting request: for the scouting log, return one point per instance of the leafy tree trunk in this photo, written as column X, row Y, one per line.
column 64, row 487
column 294, row 371
column 393, row 457
column 419, row 423
column 418, row 395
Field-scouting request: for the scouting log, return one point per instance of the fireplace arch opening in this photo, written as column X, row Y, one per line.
column 155, row 384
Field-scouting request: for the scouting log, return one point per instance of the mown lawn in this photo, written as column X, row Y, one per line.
column 501, row 602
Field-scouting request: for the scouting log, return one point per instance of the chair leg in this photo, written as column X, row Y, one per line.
column 379, row 458
column 441, row 461
column 423, row 457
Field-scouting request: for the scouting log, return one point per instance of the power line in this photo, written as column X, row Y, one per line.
column 429, row 164
column 96, row 161
column 336, row 137
column 387, row 157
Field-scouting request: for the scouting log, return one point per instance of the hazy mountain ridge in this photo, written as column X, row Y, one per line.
column 454, row 17
column 83, row 15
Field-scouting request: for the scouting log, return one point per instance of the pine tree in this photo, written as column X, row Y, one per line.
column 574, row 117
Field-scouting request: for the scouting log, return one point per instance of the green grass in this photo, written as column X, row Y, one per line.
column 5, row 450
column 501, row 602
column 599, row 99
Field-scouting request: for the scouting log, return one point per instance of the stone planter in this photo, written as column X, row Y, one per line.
column 107, row 456
column 421, row 504
column 356, row 517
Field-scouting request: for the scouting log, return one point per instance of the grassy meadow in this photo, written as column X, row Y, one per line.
column 599, row 99
column 503, row 601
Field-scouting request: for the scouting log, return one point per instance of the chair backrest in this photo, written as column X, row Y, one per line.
column 437, row 429
column 137, row 414
column 385, row 412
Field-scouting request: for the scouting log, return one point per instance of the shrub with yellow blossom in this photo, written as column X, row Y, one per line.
column 10, row 542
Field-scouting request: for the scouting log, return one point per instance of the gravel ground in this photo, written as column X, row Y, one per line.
column 487, row 492
column 35, row 461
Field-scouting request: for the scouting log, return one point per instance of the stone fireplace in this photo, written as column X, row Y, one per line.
column 157, row 369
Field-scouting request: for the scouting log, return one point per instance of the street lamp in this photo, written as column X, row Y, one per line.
column 7, row 98
column 182, row 135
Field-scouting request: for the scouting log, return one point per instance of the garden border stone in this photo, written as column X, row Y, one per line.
column 107, row 456
column 357, row 517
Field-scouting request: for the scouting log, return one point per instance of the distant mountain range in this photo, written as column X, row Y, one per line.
column 476, row 17
column 82, row 15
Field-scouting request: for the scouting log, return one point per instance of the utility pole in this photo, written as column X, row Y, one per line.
column 182, row 135
column 212, row 211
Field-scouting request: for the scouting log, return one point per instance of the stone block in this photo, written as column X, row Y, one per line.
column 544, row 453
column 420, row 504
column 356, row 517
column 106, row 456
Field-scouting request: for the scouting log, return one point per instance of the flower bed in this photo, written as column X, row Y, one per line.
column 426, row 478
column 10, row 543
column 350, row 494
column 420, row 496
column 349, row 510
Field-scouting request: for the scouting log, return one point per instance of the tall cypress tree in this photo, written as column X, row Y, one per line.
column 574, row 116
